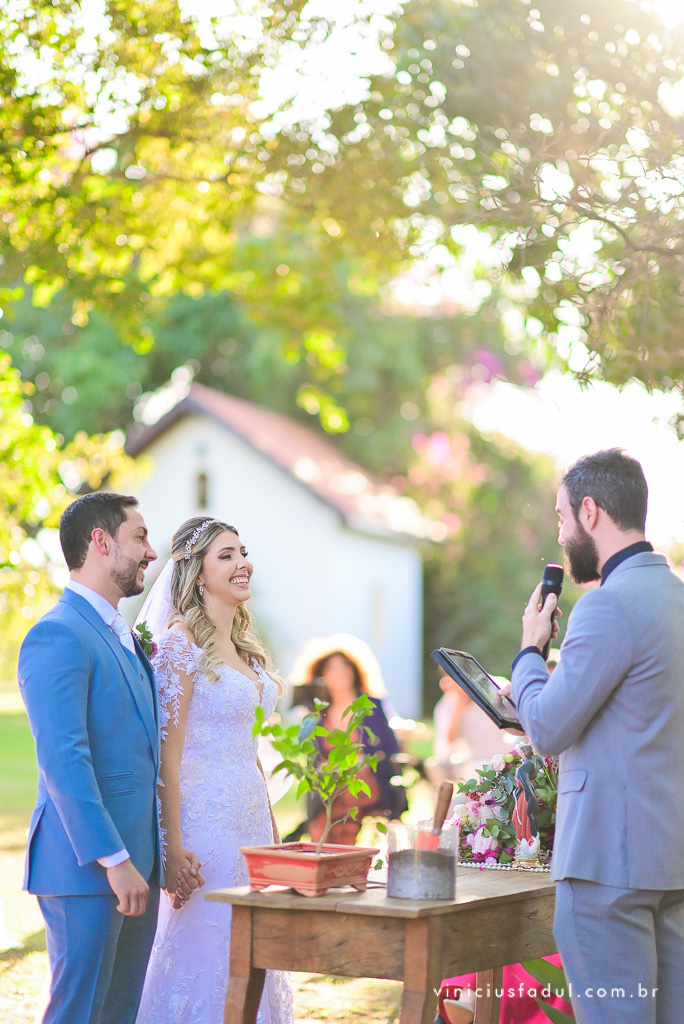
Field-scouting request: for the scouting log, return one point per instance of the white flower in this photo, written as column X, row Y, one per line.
column 496, row 811
column 497, row 763
column 529, row 848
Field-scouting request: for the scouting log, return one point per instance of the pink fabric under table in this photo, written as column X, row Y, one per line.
column 517, row 1005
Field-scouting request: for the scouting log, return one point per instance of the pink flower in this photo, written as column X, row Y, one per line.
column 487, row 846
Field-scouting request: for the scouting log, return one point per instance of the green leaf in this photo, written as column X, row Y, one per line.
column 553, row 1014
column 338, row 737
column 308, row 727
column 548, row 975
column 362, row 703
column 335, row 756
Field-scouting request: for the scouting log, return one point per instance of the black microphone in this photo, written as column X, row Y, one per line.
column 552, row 583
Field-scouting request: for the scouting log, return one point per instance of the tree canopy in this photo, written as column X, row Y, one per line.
column 135, row 159
column 138, row 157
column 555, row 130
column 39, row 476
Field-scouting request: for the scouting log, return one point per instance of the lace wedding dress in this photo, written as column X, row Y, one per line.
column 223, row 806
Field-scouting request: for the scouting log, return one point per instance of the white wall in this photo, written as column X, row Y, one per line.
column 378, row 595
column 312, row 575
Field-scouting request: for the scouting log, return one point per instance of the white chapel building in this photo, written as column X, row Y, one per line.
column 333, row 550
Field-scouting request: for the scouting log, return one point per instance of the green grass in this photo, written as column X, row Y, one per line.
column 18, row 775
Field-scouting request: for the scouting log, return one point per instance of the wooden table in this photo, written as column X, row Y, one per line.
column 498, row 918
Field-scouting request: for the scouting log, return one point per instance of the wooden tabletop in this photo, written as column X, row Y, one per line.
column 492, row 887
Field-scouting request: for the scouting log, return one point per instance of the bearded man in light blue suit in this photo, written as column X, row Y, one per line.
column 93, row 850
column 614, row 711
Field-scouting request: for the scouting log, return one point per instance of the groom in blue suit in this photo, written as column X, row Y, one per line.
column 614, row 712
column 93, row 849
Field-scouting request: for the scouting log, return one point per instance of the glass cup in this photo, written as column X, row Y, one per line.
column 421, row 866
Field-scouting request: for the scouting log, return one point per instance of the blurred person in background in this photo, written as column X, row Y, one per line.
column 465, row 738
column 338, row 669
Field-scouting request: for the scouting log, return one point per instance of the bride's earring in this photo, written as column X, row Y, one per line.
column 201, row 589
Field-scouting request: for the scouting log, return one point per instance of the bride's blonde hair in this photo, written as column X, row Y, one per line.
column 188, row 549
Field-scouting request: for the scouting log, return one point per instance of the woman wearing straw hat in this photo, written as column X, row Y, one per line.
column 340, row 668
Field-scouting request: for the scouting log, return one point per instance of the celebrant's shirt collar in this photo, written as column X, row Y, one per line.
column 622, row 556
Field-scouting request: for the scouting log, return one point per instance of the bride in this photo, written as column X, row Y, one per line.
column 212, row 671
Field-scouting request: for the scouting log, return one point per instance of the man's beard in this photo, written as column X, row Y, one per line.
column 125, row 575
column 581, row 556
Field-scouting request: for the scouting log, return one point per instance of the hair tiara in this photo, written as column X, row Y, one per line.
column 195, row 536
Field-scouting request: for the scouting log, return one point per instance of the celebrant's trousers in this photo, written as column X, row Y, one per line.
column 623, row 952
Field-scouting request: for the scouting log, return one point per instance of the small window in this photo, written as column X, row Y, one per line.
column 202, row 490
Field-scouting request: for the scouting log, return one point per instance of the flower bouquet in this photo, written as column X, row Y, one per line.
column 488, row 835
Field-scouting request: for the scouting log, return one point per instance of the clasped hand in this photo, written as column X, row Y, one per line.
column 536, row 621
column 182, row 876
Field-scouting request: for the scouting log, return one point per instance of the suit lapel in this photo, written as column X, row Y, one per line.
column 144, row 661
column 131, row 666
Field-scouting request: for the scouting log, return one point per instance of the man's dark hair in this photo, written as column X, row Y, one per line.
column 100, row 510
column 617, row 484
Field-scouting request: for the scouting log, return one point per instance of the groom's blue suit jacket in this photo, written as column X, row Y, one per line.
column 92, row 709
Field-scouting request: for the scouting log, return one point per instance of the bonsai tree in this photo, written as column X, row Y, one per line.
column 325, row 775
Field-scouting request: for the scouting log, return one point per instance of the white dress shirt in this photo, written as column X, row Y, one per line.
column 107, row 613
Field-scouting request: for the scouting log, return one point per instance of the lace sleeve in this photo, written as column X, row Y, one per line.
column 175, row 655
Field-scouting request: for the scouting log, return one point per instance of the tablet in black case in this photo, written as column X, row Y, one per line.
column 472, row 678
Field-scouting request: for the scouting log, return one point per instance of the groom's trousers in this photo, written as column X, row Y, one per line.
column 98, row 958
column 622, row 951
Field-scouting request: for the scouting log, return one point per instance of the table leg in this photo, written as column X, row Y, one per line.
column 488, row 1003
column 422, row 975
column 245, row 982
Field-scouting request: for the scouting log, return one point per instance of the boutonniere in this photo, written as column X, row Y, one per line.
column 143, row 635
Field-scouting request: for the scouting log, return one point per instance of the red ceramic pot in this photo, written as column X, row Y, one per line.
column 298, row 866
